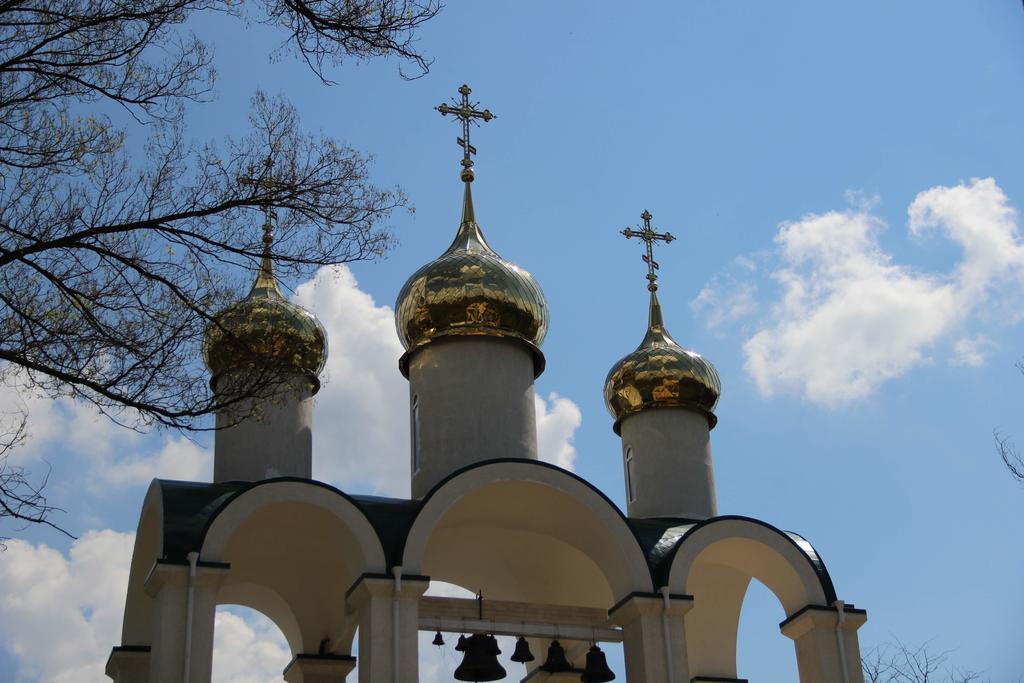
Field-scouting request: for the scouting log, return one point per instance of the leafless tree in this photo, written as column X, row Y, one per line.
column 21, row 499
column 1008, row 451
column 897, row 662
column 112, row 261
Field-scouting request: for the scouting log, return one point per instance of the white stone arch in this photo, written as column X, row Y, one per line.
column 526, row 530
column 137, row 626
column 294, row 548
column 715, row 561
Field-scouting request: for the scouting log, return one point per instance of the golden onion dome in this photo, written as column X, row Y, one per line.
column 265, row 329
column 471, row 291
column 661, row 373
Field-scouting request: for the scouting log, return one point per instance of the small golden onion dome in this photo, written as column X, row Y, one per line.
column 265, row 329
column 661, row 373
column 471, row 291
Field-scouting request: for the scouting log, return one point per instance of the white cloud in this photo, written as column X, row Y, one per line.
column 247, row 648
column 61, row 615
column 71, row 433
column 725, row 300
column 177, row 458
column 558, row 418
column 360, row 433
column 971, row 351
column 849, row 318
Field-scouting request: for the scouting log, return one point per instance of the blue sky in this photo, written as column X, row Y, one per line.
column 844, row 181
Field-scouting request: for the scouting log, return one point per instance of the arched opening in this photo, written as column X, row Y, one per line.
column 294, row 548
column 762, row 653
column 716, row 563
column 526, row 532
column 248, row 647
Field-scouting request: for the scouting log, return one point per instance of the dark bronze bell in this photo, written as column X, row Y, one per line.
column 556, row 661
column 438, row 640
column 597, row 670
column 461, row 645
column 480, row 661
column 522, row 653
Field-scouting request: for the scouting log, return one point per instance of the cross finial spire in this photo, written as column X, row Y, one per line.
column 266, row 181
column 467, row 113
column 649, row 236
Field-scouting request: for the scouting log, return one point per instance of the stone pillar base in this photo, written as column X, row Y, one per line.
column 128, row 664
column 817, row 632
column 319, row 668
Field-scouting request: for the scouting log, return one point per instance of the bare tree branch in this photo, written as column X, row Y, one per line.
column 1007, row 450
column 21, row 500
column 898, row 662
column 114, row 264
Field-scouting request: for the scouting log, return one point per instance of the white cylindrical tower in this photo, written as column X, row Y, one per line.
column 272, row 351
column 471, row 323
column 662, row 397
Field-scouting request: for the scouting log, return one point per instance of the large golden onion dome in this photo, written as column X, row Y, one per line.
column 471, row 291
column 661, row 373
column 265, row 329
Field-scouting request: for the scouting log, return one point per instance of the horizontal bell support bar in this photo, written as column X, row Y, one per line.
column 506, row 618
column 601, row 634
column 503, row 610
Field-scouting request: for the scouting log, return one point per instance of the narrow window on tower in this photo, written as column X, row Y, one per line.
column 630, row 479
column 415, row 423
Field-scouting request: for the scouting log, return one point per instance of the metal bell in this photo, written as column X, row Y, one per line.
column 480, row 661
column 556, row 661
column 522, row 653
column 438, row 640
column 461, row 645
column 597, row 670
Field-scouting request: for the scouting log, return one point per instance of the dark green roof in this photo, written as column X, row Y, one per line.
column 190, row 507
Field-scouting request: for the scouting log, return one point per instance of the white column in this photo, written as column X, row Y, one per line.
column 476, row 402
column 274, row 440
column 388, row 615
column 654, row 638
column 671, row 474
column 824, row 644
column 186, row 600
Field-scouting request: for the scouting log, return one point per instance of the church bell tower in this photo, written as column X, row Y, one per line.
column 266, row 347
column 472, row 324
column 662, row 397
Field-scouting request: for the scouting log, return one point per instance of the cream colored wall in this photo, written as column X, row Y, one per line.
column 514, row 508
column 294, row 549
column 673, row 475
column 137, row 627
column 275, row 441
column 476, row 400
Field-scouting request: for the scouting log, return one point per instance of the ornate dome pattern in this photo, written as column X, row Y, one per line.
column 661, row 373
column 470, row 290
column 265, row 329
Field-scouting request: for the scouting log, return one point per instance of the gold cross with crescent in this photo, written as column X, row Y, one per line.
column 468, row 113
column 649, row 236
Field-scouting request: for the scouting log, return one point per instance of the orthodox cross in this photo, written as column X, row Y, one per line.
column 649, row 236
column 468, row 113
column 266, row 181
